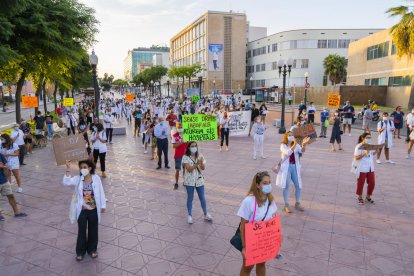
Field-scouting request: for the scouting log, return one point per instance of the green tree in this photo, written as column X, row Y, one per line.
column 403, row 32
column 335, row 68
column 191, row 71
column 120, row 82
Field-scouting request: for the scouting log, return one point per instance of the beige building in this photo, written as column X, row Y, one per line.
column 216, row 40
column 373, row 61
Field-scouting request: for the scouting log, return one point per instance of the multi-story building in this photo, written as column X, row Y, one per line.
column 141, row 58
column 217, row 41
column 306, row 48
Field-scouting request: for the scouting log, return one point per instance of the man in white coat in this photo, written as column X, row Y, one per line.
column 385, row 129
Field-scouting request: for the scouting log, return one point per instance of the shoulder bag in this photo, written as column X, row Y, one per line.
column 236, row 239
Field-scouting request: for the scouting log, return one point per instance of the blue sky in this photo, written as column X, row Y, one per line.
column 126, row 24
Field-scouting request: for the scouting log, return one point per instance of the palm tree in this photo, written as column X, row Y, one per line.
column 335, row 68
column 402, row 32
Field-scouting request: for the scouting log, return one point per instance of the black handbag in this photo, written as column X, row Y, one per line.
column 236, row 239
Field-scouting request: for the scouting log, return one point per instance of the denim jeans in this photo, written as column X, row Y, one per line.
column 49, row 130
column 292, row 176
column 190, row 196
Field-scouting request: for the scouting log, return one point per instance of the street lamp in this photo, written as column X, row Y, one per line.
column 158, row 84
column 214, row 87
column 200, row 81
column 152, row 87
column 306, row 87
column 168, row 87
column 284, row 69
column 93, row 60
column 251, row 89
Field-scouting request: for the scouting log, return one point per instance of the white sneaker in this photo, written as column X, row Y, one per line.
column 145, row 152
column 190, row 220
column 378, row 161
column 221, row 149
column 143, row 146
column 208, row 217
column 254, row 157
column 19, row 190
column 227, row 148
column 263, row 157
column 349, row 134
column 390, row 162
column 408, row 157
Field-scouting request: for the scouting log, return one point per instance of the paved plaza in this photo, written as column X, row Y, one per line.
column 145, row 230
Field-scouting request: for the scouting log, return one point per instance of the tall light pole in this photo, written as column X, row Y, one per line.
column 214, row 87
column 284, row 69
column 306, row 87
column 2, row 93
column 200, row 81
column 168, row 87
column 152, row 87
column 93, row 60
column 251, row 89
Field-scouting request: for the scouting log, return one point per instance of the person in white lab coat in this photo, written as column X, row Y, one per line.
column 258, row 129
column 385, row 129
column 290, row 167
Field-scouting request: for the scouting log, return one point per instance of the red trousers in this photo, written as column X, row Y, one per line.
column 370, row 178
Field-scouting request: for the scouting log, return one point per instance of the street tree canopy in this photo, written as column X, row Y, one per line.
column 335, row 68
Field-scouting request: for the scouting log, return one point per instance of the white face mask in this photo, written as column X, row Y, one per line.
column 291, row 139
column 84, row 172
column 193, row 150
column 385, row 118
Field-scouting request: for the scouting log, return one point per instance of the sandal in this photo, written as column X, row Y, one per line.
column 370, row 200
column 360, row 201
column 287, row 209
column 79, row 258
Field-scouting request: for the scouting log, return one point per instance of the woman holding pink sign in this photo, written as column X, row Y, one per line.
column 259, row 205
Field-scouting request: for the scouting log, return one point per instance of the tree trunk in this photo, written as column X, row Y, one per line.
column 411, row 99
column 182, row 88
column 73, row 94
column 61, row 94
column 38, row 90
column 67, row 93
column 19, row 87
column 55, row 94
column 44, row 96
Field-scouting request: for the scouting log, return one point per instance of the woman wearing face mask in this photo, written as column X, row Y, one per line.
column 336, row 132
column 258, row 130
column 290, row 166
column 385, row 130
column 194, row 163
column 365, row 170
column 224, row 130
column 83, row 129
column 91, row 202
column 259, row 205
column 98, row 139
column 71, row 122
column 11, row 151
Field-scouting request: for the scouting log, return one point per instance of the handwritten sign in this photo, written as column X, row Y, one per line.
column 371, row 147
column 195, row 99
column 199, row 127
column 239, row 124
column 334, row 100
column 29, row 101
column 304, row 131
column 129, row 97
column 68, row 102
column 263, row 240
column 69, row 148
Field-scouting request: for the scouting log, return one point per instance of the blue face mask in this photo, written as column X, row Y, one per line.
column 267, row 189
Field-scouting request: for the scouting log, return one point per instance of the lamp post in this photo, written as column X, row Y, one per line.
column 214, row 87
column 152, row 87
column 158, row 84
column 284, row 69
column 93, row 60
column 168, row 87
column 200, row 81
column 251, row 89
column 2, row 93
column 306, row 87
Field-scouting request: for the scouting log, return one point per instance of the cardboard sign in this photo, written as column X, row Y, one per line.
column 263, row 240
column 69, row 148
column 195, row 99
column 305, row 131
column 68, row 102
column 334, row 100
column 239, row 124
column 129, row 97
column 199, row 127
column 29, row 101
column 371, row 147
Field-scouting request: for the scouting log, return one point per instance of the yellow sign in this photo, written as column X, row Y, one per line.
column 334, row 100
column 68, row 102
column 129, row 97
column 28, row 101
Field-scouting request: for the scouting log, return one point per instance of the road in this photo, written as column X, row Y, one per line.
column 9, row 118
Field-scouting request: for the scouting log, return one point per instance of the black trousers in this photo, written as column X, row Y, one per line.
column 71, row 128
column 101, row 156
column 22, row 152
column 87, row 242
column 162, row 145
column 224, row 135
column 109, row 134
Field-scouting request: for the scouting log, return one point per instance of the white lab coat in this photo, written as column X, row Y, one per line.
column 74, row 120
column 388, row 131
column 284, row 168
column 97, row 190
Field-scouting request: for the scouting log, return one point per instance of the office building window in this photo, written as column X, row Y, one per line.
column 378, row 51
column 393, row 49
column 332, row 43
column 343, row 43
column 274, row 47
column 274, row 65
column 263, row 67
column 293, row 44
column 258, row 68
column 268, row 48
column 322, row 43
column 305, row 63
column 294, row 63
column 400, row 81
column 368, row 82
column 325, row 81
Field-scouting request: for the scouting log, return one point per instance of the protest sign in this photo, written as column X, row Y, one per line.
column 68, row 102
column 305, row 131
column 195, row 99
column 69, row 148
column 371, row 147
column 239, row 124
column 29, row 101
column 199, row 127
column 334, row 100
column 129, row 97
column 263, row 240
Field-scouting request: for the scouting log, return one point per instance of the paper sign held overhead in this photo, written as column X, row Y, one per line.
column 195, row 99
column 69, row 148
column 129, row 97
column 68, row 102
column 199, row 127
column 334, row 100
column 29, row 101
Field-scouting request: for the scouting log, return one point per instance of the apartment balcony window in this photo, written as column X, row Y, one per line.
column 322, row 43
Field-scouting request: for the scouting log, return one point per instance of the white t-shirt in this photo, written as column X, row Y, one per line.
column 109, row 118
column 246, row 209
column 19, row 133
column 98, row 144
column 12, row 161
column 367, row 162
column 224, row 123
